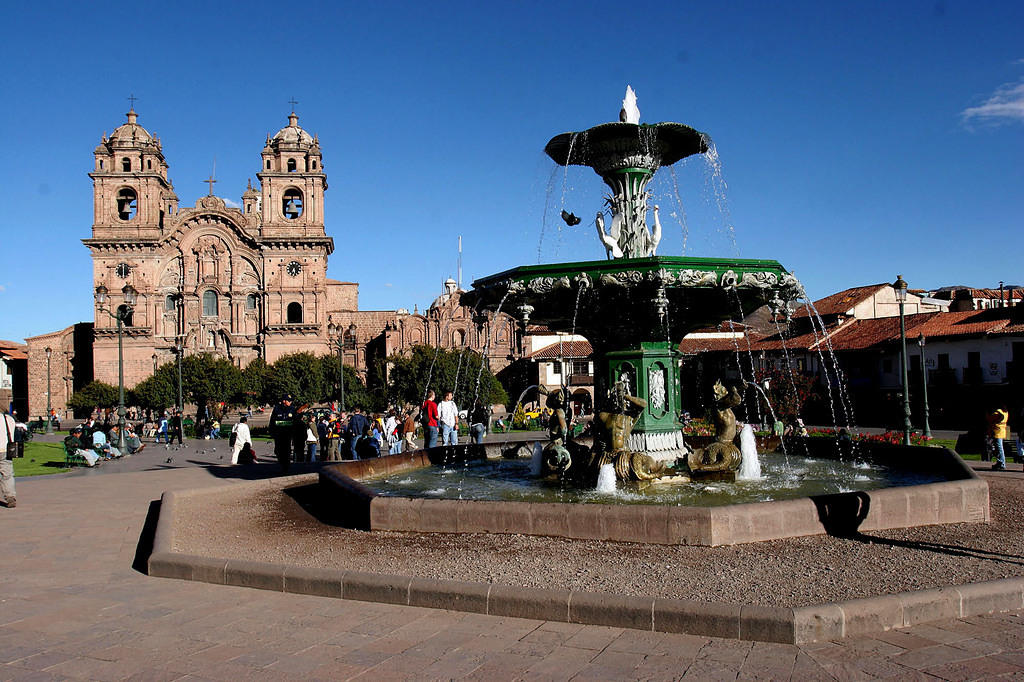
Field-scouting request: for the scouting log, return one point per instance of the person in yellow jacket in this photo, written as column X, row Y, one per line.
column 998, row 430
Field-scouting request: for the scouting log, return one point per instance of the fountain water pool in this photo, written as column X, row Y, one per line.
column 782, row 478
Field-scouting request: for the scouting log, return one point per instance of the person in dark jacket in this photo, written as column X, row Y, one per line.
column 282, row 425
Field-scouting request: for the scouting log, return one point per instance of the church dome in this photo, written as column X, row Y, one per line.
column 130, row 133
column 292, row 134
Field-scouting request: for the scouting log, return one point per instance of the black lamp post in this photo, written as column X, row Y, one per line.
column 924, row 385
column 900, row 287
column 179, row 349
column 346, row 340
column 122, row 315
column 49, row 419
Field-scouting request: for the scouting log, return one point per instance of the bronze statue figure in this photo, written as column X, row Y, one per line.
column 722, row 454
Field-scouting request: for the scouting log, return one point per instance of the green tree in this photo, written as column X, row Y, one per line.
column 455, row 370
column 209, row 379
column 254, row 382
column 300, row 375
column 356, row 392
column 787, row 390
column 93, row 394
column 158, row 391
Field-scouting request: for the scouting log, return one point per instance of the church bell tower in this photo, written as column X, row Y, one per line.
column 132, row 196
column 293, row 183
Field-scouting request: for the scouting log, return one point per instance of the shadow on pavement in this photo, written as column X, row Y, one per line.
column 253, row 472
column 145, row 546
column 311, row 499
column 952, row 550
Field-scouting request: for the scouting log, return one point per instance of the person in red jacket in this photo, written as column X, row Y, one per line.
column 428, row 413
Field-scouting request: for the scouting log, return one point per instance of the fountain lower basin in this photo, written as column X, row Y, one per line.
column 783, row 478
column 958, row 496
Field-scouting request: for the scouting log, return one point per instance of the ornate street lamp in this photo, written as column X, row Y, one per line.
column 924, row 385
column 122, row 315
column 49, row 419
column 179, row 349
column 344, row 339
column 900, row 287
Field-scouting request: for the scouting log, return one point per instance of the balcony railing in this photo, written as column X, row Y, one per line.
column 581, row 380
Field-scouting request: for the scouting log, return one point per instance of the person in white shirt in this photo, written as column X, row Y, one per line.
column 6, row 465
column 241, row 431
column 391, row 433
column 448, row 416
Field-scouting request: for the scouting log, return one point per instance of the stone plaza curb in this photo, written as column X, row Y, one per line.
column 799, row 625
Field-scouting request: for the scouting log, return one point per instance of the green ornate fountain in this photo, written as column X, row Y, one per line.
column 635, row 307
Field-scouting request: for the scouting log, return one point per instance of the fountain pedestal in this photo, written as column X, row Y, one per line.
column 652, row 372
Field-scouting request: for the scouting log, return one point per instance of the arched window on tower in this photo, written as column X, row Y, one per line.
column 294, row 313
column 101, row 164
column 126, row 165
column 149, row 164
column 291, row 165
column 458, row 338
column 291, row 204
column 127, row 203
column 210, row 303
column 314, row 164
column 169, row 303
column 268, row 164
column 250, row 302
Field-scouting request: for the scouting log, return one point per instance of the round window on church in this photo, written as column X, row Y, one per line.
column 291, row 204
column 127, row 203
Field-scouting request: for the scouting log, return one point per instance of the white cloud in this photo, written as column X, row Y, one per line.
column 2, row 288
column 231, row 204
column 1006, row 104
column 388, row 284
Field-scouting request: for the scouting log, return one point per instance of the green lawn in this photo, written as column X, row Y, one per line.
column 39, row 459
column 951, row 444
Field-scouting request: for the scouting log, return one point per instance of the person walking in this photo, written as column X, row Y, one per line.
column 409, row 429
column 176, row 429
column 312, row 440
column 998, row 431
column 242, row 436
column 281, row 426
column 357, row 426
column 478, row 422
column 8, row 450
column 392, row 432
column 428, row 415
column 448, row 416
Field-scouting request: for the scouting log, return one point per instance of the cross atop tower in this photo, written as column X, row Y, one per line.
column 131, row 101
column 210, row 180
column 293, row 103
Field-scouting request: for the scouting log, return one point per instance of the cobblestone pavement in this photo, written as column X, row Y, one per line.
column 73, row 607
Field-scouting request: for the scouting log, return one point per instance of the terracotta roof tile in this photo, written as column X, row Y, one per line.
column 569, row 349
column 839, row 303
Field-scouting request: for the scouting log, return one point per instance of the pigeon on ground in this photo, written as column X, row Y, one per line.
column 170, row 459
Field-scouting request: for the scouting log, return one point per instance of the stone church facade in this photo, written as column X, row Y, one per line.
column 240, row 283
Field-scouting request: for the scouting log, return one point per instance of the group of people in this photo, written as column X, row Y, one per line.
column 95, row 444
column 304, row 435
column 309, row 435
column 442, row 419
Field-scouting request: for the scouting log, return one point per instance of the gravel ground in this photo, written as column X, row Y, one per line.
column 276, row 528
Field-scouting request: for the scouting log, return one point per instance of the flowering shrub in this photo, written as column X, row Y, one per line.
column 889, row 437
column 699, row 427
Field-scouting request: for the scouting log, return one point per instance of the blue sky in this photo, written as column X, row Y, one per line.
column 857, row 140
